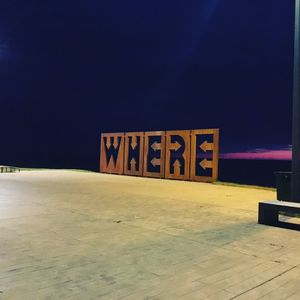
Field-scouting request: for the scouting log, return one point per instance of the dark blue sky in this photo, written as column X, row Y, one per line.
column 70, row 70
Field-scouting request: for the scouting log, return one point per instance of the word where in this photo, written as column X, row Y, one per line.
column 184, row 154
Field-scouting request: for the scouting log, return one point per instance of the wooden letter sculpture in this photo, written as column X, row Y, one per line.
column 154, row 154
column 204, row 155
column 178, row 154
column 184, row 154
column 134, row 153
column 112, row 153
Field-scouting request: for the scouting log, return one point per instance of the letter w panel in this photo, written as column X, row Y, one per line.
column 112, row 153
column 178, row 152
column 134, row 152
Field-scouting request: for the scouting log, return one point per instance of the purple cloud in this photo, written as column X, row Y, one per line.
column 261, row 153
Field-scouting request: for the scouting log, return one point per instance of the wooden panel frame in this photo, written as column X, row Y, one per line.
column 215, row 155
column 186, row 135
column 141, row 153
column 111, row 167
column 162, row 150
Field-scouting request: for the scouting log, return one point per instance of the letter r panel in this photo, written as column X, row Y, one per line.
column 206, row 161
column 154, row 154
column 178, row 152
column 112, row 153
column 134, row 142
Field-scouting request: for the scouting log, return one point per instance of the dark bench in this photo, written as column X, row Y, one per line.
column 6, row 169
column 268, row 213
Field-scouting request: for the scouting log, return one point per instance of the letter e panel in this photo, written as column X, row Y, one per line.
column 204, row 155
column 178, row 153
column 154, row 154
column 134, row 153
column 112, row 153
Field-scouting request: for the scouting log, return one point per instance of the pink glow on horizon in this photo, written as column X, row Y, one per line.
column 266, row 154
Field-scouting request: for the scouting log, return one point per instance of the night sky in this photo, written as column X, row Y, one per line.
column 70, row 70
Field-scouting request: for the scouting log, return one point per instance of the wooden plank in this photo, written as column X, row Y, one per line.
column 154, row 154
column 112, row 153
column 133, row 164
column 210, row 153
column 178, row 151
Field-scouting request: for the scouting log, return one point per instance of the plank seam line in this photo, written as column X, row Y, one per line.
column 236, row 296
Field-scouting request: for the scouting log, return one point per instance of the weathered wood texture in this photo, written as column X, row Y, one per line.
column 154, row 154
column 134, row 144
column 112, row 153
column 183, row 154
column 178, row 152
column 210, row 149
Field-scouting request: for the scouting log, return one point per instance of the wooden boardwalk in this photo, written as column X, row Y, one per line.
column 76, row 235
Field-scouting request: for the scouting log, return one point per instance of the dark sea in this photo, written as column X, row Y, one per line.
column 242, row 171
column 252, row 172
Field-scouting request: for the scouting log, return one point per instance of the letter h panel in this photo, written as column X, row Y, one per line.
column 178, row 151
column 134, row 153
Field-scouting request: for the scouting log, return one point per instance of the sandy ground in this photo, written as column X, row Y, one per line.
column 77, row 235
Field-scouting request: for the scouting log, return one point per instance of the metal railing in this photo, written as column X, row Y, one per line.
column 8, row 169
